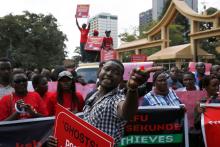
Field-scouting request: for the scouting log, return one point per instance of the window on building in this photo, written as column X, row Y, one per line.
column 113, row 17
column 102, row 16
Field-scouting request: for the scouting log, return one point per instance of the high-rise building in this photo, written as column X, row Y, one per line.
column 103, row 22
column 145, row 17
column 159, row 4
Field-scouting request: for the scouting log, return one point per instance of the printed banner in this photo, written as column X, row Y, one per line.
column 82, row 11
column 25, row 133
column 74, row 131
column 94, row 43
column 157, row 127
column 107, row 55
column 138, row 58
column 210, row 121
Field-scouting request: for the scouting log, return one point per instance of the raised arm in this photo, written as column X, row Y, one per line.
column 77, row 23
column 127, row 109
column 89, row 26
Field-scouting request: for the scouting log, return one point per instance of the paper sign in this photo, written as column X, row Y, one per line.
column 138, row 58
column 71, row 130
column 82, row 11
column 94, row 43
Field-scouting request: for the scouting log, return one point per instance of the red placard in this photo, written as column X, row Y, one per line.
column 210, row 121
column 82, row 11
column 107, row 55
column 94, row 43
column 192, row 67
column 71, row 130
column 138, row 58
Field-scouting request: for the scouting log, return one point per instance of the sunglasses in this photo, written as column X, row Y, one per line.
column 18, row 81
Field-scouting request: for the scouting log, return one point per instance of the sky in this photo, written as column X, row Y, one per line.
column 64, row 11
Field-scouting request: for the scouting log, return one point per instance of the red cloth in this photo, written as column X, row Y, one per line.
column 7, row 105
column 84, row 35
column 67, row 101
column 108, row 42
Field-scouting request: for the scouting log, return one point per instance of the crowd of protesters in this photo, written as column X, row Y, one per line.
column 114, row 100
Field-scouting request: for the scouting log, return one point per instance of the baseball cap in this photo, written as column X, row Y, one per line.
column 65, row 74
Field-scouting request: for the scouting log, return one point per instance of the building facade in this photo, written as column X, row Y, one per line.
column 105, row 21
column 145, row 18
column 159, row 4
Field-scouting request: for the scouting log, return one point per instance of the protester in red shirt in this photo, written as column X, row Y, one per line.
column 83, row 39
column 40, row 85
column 66, row 95
column 21, row 104
column 107, row 41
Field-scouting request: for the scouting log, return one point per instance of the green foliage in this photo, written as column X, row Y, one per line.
column 150, row 51
column 146, row 28
column 209, row 44
column 126, row 37
column 211, row 10
column 126, row 56
column 176, row 35
column 33, row 40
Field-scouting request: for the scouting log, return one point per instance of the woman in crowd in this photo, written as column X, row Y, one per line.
column 40, row 85
column 160, row 95
column 189, row 82
column 211, row 86
column 66, row 95
column 21, row 104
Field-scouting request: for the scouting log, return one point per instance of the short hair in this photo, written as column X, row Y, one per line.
column 200, row 64
column 157, row 73
column 36, row 80
column 190, row 73
column 206, row 80
column 118, row 63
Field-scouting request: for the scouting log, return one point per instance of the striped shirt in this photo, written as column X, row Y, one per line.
column 152, row 99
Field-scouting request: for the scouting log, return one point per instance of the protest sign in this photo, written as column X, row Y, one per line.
column 82, row 11
column 157, row 127
column 210, row 122
column 93, row 43
column 27, row 132
column 107, row 55
column 74, row 131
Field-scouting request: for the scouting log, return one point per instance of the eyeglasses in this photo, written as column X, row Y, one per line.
column 18, row 81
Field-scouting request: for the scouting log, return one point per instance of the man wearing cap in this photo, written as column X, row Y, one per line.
column 107, row 41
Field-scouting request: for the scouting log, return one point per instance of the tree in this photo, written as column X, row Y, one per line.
column 32, row 40
column 126, row 37
column 211, row 10
column 176, row 37
column 209, row 44
column 146, row 28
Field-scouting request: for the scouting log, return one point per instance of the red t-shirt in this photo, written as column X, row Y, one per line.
column 51, row 103
column 7, row 105
column 84, row 35
column 108, row 42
